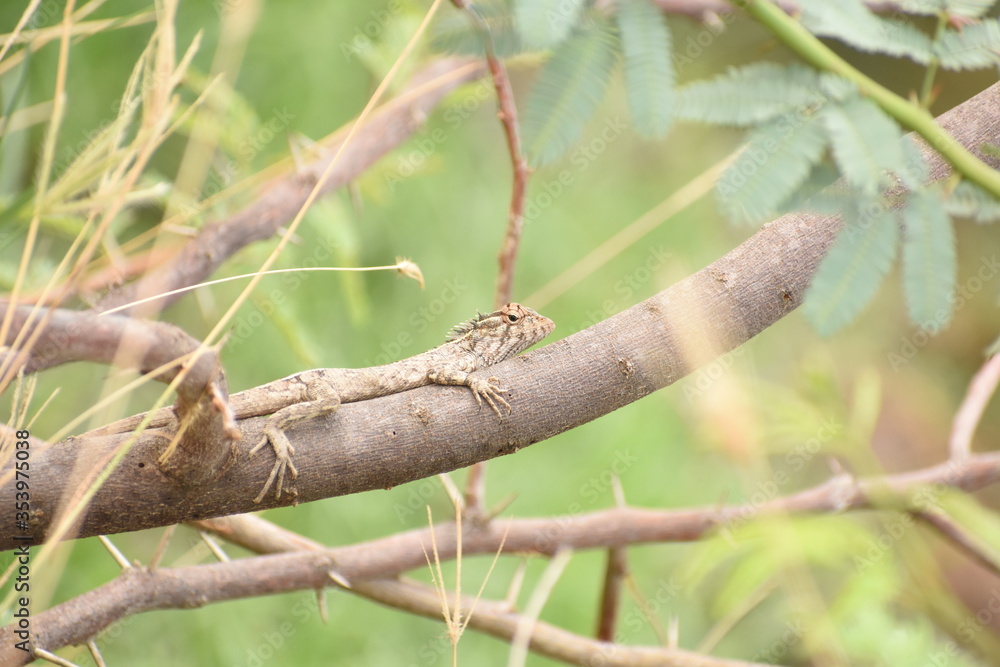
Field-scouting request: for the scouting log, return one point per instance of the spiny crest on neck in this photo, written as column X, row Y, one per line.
column 502, row 334
column 463, row 329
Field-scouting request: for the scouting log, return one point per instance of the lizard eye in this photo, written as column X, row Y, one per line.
column 512, row 318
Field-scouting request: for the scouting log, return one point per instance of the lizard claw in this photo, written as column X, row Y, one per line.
column 283, row 451
column 491, row 391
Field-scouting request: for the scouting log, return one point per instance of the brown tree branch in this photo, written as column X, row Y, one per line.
column 495, row 618
column 204, row 443
column 179, row 588
column 385, row 129
column 507, row 257
column 415, row 434
column 981, row 390
column 960, row 537
column 157, row 348
column 392, row 440
column 475, row 486
column 615, row 572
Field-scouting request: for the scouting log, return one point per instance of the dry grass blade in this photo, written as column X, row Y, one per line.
column 675, row 203
column 522, row 637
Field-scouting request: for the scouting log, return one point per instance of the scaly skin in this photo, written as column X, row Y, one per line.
column 471, row 346
column 479, row 343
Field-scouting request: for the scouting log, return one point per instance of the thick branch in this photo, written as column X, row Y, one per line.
column 62, row 336
column 396, row 439
column 144, row 345
column 385, row 129
column 495, row 618
column 180, row 588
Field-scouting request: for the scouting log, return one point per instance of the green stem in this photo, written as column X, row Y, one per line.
column 912, row 116
column 927, row 89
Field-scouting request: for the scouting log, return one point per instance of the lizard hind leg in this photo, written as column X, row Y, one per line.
column 325, row 401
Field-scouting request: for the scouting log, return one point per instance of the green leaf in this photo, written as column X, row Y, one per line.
column 929, row 264
column 816, row 194
column 853, row 269
column 778, row 158
column 543, row 24
column 567, row 92
column 970, row 201
column 455, row 31
column 770, row 546
column 965, row 8
column 975, row 46
column 853, row 23
column 914, row 171
column 923, row 7
column 865, row 143
column 649, row 69
column 968, row 8
column 753, row 94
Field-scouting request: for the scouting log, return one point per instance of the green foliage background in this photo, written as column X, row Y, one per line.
column 719, row 436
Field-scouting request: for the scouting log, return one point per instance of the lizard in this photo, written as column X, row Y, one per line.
column 478, row 343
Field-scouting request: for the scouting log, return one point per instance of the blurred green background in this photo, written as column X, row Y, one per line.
column 717, row 437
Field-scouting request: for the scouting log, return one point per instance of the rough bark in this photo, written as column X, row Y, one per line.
column 365, row 566
column 396, row 439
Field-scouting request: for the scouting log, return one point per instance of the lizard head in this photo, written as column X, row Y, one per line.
column 497, row 336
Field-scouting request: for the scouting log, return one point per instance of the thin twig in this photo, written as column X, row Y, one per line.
column 53, row 658
column 614, row 574
column 115, row 552
column 508, row 118
column 950, row 530
column 214, row 547
column 475, row 492
column 475, row 487
column 521, row 640
column 981, row 390
column 95, row 654
column 161, row 547
column 388, row 557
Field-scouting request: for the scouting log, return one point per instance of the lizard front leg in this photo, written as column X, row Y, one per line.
column 322, row 399
column 490, row 389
